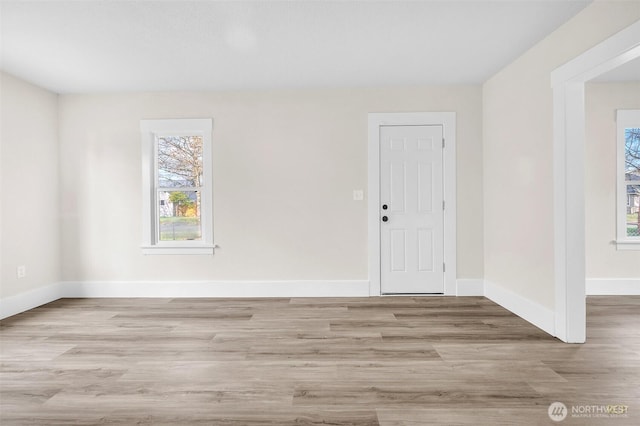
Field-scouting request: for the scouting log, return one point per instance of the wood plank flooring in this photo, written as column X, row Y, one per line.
column 369, row 361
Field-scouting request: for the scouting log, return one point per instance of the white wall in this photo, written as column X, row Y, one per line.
column 29, row 174
column 601, row 102
column 518, row 161
column 285, row 166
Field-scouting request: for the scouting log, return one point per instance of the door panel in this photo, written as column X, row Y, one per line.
column 398, row 186
column 411, row 184
column 398, row 250
column 425, row 182
column 425, row 250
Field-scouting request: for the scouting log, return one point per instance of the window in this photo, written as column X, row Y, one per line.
column 177, row 186
column 628, row 140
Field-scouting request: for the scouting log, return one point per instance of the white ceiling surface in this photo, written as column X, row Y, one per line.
column 92, row 46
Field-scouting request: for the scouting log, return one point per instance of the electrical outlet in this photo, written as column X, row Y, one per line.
column 358, row 195
column 21, row 271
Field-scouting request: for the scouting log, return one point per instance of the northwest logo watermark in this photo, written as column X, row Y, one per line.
column 558, row 411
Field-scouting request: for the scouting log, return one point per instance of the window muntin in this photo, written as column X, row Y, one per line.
column 177, row 216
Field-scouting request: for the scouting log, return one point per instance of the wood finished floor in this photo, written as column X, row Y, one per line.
column 373, row 361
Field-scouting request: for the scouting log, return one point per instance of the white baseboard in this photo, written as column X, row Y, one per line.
column 470, row 287
column 613, row 287
column 311, row 288
column 306, row 288
column 528, row 310
column 22, row 302
column 70, row 289
column 533, row 312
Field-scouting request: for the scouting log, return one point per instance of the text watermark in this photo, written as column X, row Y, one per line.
column 558, row 411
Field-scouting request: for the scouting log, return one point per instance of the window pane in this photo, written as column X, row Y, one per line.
column 179, row 161
column 179, row 215
column 632, row 174
column 633, row 206
column 632, row 151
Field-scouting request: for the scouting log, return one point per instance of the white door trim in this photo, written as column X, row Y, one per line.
column 448, row 122
column 569, row 141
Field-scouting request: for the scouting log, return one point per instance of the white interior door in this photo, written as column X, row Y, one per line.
column 411, row 210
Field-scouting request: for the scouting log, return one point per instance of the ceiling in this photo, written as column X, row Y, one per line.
column 100, row 46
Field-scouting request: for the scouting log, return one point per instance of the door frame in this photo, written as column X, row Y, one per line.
column 567, row 82
column 448, row 122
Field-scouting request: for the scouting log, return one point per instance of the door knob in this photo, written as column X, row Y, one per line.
column 384, row 218
column 384, row 207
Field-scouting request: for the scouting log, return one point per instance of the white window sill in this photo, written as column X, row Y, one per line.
column 627, row 244
column 179, row 250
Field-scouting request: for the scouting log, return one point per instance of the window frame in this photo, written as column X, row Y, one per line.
column 624, row 119
column 151, row 130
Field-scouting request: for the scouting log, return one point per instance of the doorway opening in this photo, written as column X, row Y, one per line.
column 568, row 83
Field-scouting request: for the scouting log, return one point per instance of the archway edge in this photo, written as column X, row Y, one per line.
column 568, row 84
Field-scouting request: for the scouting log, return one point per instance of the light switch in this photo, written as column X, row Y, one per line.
column 358, row 195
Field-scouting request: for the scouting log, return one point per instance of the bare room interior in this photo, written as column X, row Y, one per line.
column 319, row 212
